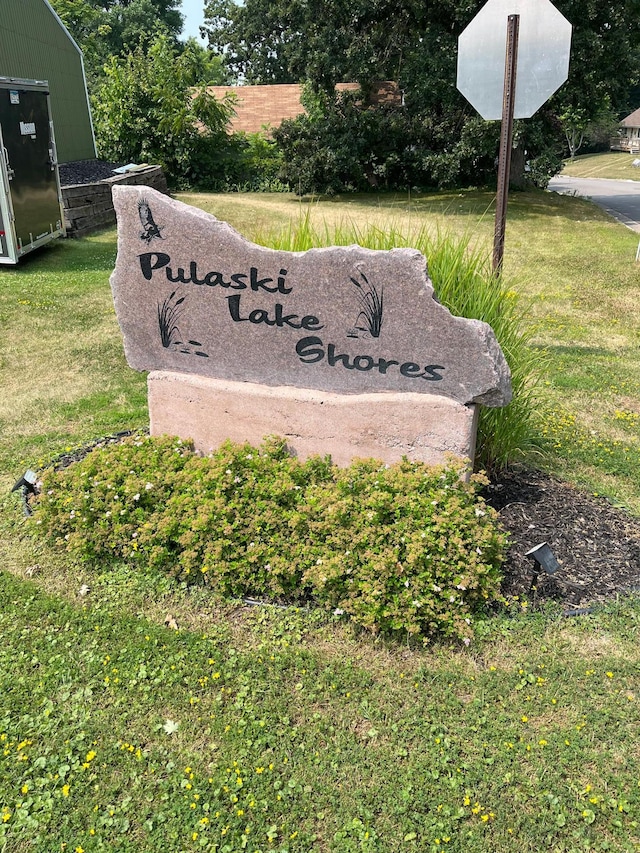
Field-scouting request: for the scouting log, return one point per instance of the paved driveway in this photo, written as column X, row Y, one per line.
column 621, row 199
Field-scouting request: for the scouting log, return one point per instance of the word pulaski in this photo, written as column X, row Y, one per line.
column 152, row 261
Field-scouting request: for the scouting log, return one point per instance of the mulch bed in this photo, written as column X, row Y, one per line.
column 86, row 172
column 596, row 544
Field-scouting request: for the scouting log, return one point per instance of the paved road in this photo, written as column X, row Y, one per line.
column 621, row 199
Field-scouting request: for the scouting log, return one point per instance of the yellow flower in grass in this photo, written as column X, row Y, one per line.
column 65, row 790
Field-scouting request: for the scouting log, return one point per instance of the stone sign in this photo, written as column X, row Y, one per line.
column 194, row 296
column 195, row 299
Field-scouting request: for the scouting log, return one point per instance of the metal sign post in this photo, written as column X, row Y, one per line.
column 537, row 43
column 506, row 139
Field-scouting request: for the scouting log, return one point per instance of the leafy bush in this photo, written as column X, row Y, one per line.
column 147, row 110
column 400, row 548
column 341, row 146
column 249, row 162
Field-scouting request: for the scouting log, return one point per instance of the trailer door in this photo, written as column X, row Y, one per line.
column 31, row 166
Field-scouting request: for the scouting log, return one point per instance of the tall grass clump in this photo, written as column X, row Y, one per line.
column 465, row 284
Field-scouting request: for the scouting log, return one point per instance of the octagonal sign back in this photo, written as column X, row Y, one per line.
column 544, row 45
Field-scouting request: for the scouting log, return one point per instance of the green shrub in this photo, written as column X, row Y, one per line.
column 257, row 166
column 405, row 548
column 147, row 110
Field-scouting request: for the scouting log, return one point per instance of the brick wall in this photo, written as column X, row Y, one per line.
column 258, row 107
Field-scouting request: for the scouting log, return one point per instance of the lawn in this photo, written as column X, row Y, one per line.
column 611, row 164
column 257, row 728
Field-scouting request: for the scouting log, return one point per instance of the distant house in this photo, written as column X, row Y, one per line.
column 265, row 107
column 628, row 138
column 35, row 45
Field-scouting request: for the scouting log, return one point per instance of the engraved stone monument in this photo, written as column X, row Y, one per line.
column 341, row 350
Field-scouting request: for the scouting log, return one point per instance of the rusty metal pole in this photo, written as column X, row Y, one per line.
column 506, row 139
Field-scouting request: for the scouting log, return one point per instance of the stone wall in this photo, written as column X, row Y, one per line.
column 88, row 207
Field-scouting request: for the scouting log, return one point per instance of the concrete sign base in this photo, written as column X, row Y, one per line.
column 386, row 426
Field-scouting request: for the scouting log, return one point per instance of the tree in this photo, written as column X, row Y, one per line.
column 146, row 110
column 106, row 28
column 415, row 44
column 203, row 67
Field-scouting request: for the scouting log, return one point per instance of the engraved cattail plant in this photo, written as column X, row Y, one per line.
column 168, row 315
column 371, row 302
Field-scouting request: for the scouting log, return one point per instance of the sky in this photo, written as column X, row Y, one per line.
column 193, row 11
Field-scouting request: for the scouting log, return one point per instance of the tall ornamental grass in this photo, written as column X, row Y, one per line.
column 464, row 282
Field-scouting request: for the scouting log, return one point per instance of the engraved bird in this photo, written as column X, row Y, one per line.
column 149, row 227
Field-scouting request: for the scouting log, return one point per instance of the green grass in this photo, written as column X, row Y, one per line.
column 269, row 730
column 62, row 365
column 525, row 740
column 611, row 164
